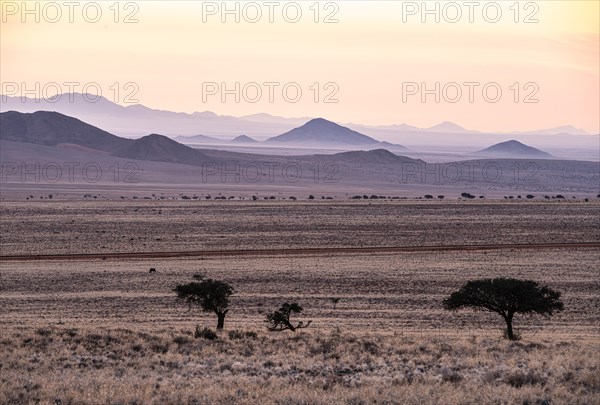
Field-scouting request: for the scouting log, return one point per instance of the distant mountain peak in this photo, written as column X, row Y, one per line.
column 321, row 123
column 157, row 137
column 514, row 148
column 160, row 148
column 53, row 128
column 205, row 114
column 447, row 126
column 243, row 139
column 562, row 130
column 374, row 156
column 319, row 131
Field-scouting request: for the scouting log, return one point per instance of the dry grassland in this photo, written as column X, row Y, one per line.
column 108, row 332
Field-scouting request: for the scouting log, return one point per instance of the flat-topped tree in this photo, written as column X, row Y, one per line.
column 279, row 320
column 210, row 295
column 507, row 297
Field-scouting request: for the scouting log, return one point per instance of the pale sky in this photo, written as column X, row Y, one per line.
column 368, row 56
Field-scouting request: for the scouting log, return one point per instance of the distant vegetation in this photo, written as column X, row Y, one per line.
column 334, row 301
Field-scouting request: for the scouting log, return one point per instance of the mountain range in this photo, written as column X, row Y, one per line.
column 53, row 129
column 136, row 120
column 49, row 138
column 58, row 130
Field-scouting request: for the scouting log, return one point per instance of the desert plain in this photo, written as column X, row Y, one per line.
column 82, row 324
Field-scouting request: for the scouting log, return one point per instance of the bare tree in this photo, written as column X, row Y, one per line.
column 279, row 320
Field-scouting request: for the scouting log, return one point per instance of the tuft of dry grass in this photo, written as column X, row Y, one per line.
column 63, row 365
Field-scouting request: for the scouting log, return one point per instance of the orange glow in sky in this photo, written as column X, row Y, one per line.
column 547, row 51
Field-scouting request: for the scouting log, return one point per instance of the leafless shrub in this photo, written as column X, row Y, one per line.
column 519, row 379
column 237, row 334
column 205, row 333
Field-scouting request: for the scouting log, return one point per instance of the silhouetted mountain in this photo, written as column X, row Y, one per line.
column 159, row 148
column 392, row 146
column 397, row 128
column 52, row 128
column 197, row 139
column 562, row 130
column 136, row 119
column 376, row 156
column 514, row 149
column 322, row 132
column 243, row 139
column 447, row 127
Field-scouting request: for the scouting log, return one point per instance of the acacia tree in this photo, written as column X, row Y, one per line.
column 507, row 297
column 280, row 320
column 210, row 295
column 334, row 301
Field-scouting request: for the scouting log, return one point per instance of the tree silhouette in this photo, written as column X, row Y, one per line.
column 280, row 320
column 334, row 301
column 210, row 295
column 507, row 297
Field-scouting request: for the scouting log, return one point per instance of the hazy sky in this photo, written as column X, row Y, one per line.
column 369, row 57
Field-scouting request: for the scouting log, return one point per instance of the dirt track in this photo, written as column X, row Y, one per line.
column 301, row 251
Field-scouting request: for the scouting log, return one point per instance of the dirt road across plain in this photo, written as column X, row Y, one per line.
column 294, row 252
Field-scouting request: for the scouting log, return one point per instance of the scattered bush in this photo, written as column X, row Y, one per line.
column 237, row 334
column 204, row 333
column 518, row 379
column 182, row 340
column 43, row 332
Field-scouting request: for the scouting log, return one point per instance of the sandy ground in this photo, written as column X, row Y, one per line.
column 94, row 331
column 384, row 289
column 98, row 227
